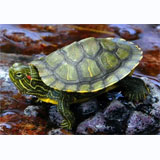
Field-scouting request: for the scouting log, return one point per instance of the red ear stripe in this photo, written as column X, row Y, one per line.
column 29, row 77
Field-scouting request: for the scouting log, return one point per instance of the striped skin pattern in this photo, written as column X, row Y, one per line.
column 18, row 74
column 89, row 65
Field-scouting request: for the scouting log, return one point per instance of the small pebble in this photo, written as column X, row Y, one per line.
column 31, row 111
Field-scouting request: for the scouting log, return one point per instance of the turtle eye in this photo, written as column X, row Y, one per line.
column 19, row 74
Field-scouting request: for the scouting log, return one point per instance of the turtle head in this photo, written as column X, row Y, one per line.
column 27, row 80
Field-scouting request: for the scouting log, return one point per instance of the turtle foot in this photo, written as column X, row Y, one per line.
column 138, row 94
column 134, row 89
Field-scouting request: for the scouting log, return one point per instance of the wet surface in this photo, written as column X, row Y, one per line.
column 23, row 43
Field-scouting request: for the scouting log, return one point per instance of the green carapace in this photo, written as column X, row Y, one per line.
column 81, row 71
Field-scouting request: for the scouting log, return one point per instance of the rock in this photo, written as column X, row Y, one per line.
column 117, row 114
column 116, row 111
column 31, row 111
column 126, row 31
column 55, row 132
column 156, row 112
column 149, row 38
column 140, row 123
column 59, row 131
column 86, row 109
column 154, row 96
column 153, row 99
column 36, row 38
column 55, row 118
column 150, row 63
column 95, row 125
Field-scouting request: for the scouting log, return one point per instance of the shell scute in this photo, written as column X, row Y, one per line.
column 89, row 68
column 122, row 53
column 91, row 46
column 108, row 60
column 73, row 52
column 67, row 72
column 108, row 44
column 54, row 59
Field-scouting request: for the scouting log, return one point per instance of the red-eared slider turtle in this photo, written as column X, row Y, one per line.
column 80, row 71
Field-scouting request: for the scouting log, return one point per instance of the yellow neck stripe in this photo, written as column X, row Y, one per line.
column 47, row 100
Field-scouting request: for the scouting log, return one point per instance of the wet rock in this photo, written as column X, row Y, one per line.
column 86, row 109
column 59, row 131
column 126, row 31
column 55, row 118
column 150, row 63
column 156, row 112
column 117, row 114
column 31, row 111
column 149, row 38
column 16, row 39
column 95, row 125
column 153, row 99
column 154, row 96
column 140, row 123
column 16, row 123
column 116, row 111
column 36, row 38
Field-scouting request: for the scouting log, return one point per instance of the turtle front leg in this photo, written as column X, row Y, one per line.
column 63, row 108
column 134, row 89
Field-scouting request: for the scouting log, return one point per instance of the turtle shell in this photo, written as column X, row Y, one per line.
column 89, row 65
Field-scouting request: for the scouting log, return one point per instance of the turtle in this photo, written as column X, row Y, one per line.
column 81, row 71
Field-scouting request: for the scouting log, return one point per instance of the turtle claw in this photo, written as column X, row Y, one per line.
column 137, row 95
column 134, row 89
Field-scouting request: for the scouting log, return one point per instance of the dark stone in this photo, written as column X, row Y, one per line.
column 140, row 123
column 116, row 111
column 117, row 114
column 86, row 109
column 55, row 118
column 158, row 132
column 95, row 125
